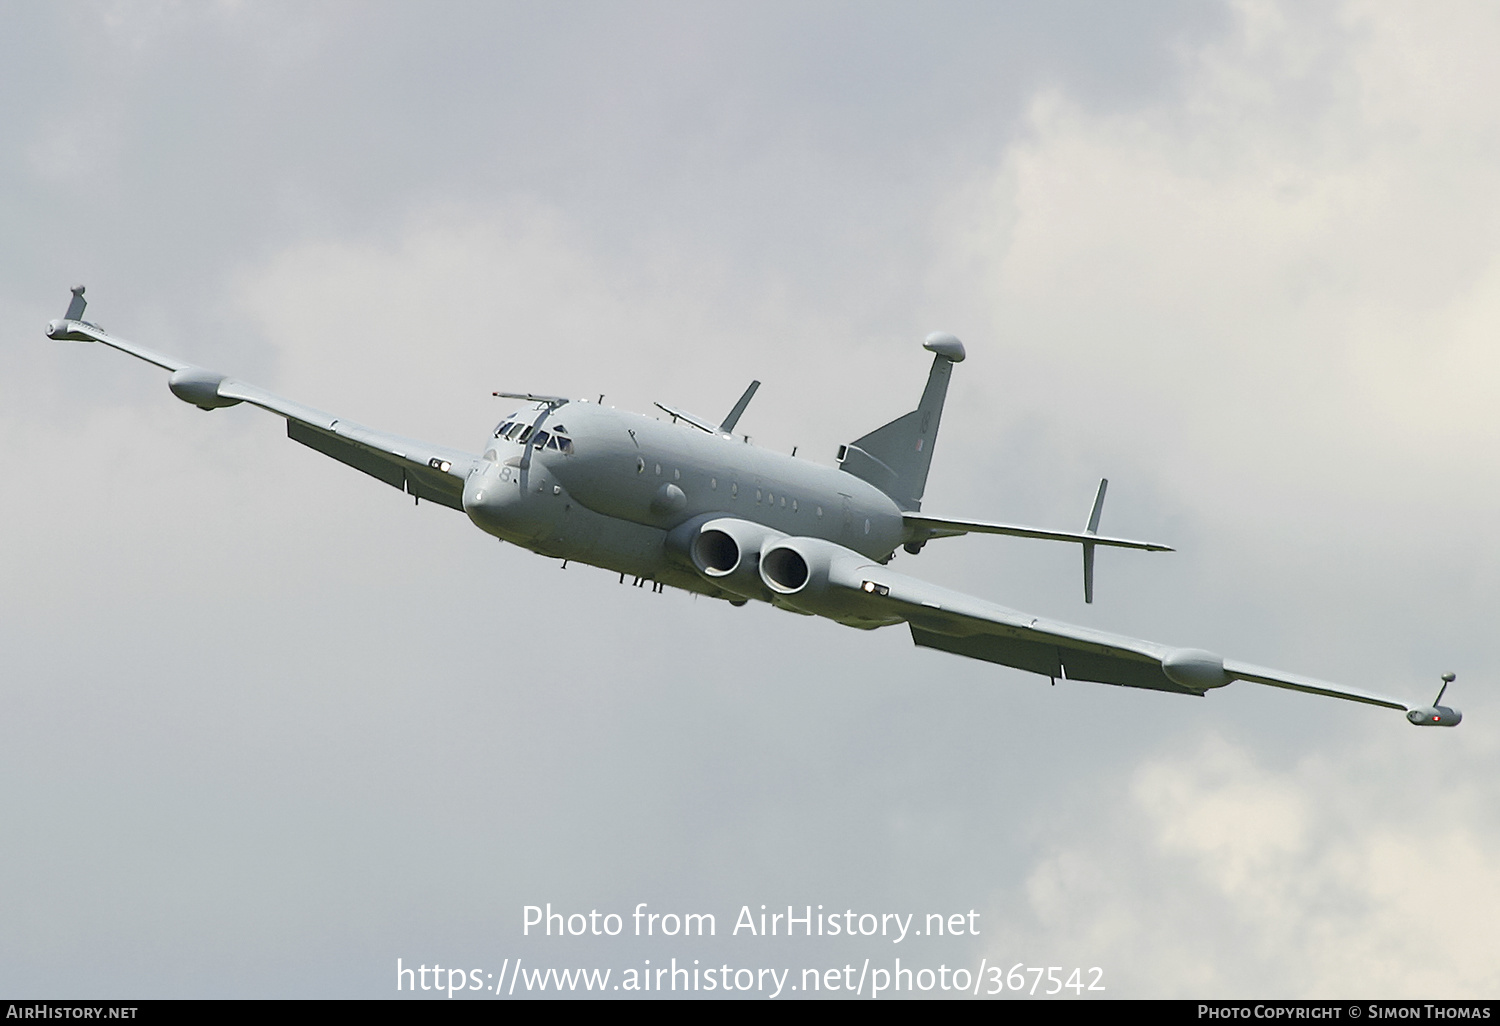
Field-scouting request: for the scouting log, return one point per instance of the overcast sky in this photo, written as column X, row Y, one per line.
column 267, row 728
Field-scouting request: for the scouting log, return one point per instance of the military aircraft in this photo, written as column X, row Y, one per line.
column 684, row 503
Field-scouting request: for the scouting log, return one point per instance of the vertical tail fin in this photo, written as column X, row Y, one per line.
column 1088, row 547
column 76, row 305
column 895, row 458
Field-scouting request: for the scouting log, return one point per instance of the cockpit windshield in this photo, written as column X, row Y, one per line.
column 554, row 441
column 519, row 431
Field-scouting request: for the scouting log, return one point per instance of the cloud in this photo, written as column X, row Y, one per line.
column 1284, row 286
column 1222, row 874
column 1297, row 255
column 1254, row 283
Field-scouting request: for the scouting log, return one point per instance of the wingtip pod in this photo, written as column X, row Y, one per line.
column 1435, row 716
column 62, row 329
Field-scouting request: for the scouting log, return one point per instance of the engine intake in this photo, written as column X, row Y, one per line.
column 715, row 553
column 815, row 576
column 725, row 550
column 785, row 570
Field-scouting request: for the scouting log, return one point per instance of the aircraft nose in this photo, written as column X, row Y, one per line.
column 484, row 497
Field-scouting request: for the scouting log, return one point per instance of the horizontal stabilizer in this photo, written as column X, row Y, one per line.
column 922, row 526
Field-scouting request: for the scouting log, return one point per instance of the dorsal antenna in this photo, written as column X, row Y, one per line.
column 1448, row 678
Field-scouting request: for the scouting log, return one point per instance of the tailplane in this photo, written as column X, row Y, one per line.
column 895, row 458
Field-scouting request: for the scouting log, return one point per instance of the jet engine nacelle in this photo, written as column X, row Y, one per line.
column 1435, row 716
column 820, row 577
column 725, row 550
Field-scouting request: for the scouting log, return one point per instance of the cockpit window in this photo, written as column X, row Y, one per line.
column 509, row 426
column 522, row 433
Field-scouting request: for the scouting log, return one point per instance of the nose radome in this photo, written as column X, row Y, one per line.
column 484, row 497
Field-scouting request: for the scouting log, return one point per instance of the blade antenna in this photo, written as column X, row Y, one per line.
column 730, row 421
column 1088, row 547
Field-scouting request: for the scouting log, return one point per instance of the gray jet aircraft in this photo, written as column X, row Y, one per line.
column 694, row 508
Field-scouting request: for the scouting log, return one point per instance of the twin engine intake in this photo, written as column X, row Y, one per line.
column 805, row 575
column 726, row 551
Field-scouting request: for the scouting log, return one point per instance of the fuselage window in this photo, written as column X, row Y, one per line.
column 757, row 495
column 794, row 505
column 867, row 527
column 783, row 502
column 640, row 465
column 713, row 484
column 820, row 511
column 676, row 474
column 658, row 470
column 734, row 490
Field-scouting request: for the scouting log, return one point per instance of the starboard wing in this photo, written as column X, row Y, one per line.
column 1071, row 652
column 421, row 469
column 824, row 578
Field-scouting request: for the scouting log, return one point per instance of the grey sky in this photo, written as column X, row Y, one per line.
column 268, row 728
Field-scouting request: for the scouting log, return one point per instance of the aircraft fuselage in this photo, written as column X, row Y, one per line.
column 624, row 481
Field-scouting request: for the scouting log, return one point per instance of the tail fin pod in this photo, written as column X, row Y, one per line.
column 895, row 457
